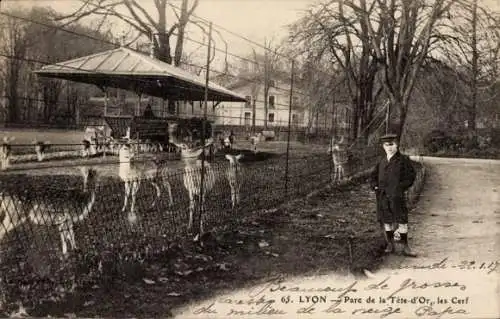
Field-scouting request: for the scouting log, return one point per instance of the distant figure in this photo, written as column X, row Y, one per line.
column 148, row 112
column 254, row 140
column 227, row 143
column 231, row 138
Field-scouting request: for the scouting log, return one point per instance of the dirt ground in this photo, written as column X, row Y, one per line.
column 333, row 230
column 326, row 232
column 455, row 230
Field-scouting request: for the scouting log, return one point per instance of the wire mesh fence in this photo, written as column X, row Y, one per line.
column 57, row 202
column 80, row 210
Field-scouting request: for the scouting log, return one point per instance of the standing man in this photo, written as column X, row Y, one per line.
column 390, row 179
column 148, row 112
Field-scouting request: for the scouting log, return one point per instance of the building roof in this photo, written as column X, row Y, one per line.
column 126, row 69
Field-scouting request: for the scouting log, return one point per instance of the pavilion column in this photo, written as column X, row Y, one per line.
column 138, row 106
column 105, row 102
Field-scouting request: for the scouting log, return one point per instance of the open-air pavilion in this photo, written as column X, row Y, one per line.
column 126, row 69
column 129, row 70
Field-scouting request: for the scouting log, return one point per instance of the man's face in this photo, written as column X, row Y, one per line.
column 390, row 148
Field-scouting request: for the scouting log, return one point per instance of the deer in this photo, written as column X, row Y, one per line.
column 192, row 178
column 339, row 158
column 17, row 210
column 132, row 174
column 192, row 172
column 234, row 176
column 254, row 140
column 88, row 149
column 6, row 152
column 40, row 147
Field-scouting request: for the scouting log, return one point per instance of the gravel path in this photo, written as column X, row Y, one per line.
column 455, row 229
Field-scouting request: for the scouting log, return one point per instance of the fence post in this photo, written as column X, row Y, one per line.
column 289, row 129
column 204, row 127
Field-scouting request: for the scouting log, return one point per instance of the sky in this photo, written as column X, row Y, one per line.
column 251, row 18
column 256, row 20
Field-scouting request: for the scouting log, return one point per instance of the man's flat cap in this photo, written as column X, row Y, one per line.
column 389, row 138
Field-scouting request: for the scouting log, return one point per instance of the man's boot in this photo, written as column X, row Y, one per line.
column 390, row 242
column 406, row 249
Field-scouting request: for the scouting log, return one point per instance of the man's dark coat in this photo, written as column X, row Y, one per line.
column 392, row 178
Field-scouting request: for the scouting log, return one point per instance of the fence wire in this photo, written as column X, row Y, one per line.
column 74, row 200
column 41, row 207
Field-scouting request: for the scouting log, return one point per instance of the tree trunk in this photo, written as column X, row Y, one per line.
column 254, row 109
column 163, row 48
column 355, row 119
column 183, row 20
column 475, row 70
column 266, row 106
column 13, row 82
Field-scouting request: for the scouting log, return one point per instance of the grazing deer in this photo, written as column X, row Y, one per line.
column 192, row 178
column 5, row 152
column 89, row 148
column 234, row 176
column 132, row 174
column 254, row 140
column 40, row 147
column 49, row 210
column 339, row 158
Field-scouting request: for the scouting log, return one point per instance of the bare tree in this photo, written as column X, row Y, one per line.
column 331, row 33
column 152, row 26
column 441, row 93
column 409, row 30
column 33, row 40
column 474, row 50
column 15, row 46
column 261, row 70
column 321, row 90
column 379, row 43
column 265, row 70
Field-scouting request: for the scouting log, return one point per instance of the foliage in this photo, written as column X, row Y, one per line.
column 328, row 34
column 460, row 144
column 33, row 40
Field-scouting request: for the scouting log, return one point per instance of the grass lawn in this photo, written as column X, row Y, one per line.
column 27, row 136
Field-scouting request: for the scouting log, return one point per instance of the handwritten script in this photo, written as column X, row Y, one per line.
column 438, row 290
column 276, row 297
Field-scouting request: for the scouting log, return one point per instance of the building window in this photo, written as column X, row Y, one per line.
column 270, row 117
column 272, row 101
column 248, row 118
column 295, row 120
column 248, row 102
column 271, row 83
